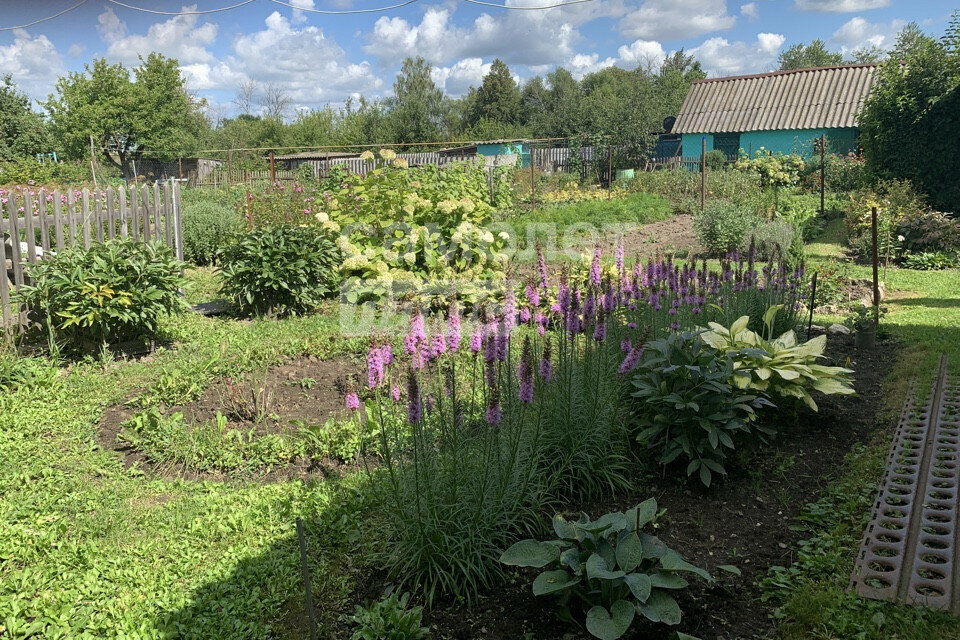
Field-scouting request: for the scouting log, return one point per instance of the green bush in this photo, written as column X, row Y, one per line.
column 687, row 406
column 28, row 373
column 716, row 160
column 611, row 567
column 207, row 226
column 773, row 239
column 931, row 261
column 280, row 269
column 896, row 202
column 389, row 619
column 30, row 170
column 681, row 186
column 929, row 231
column 115, row 291
column 724, row 227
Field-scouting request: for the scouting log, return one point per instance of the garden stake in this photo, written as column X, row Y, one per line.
column 273, row 170
column 306, row 580
column 703, row 173
column 823, row 160
column 813, row 303
column 876, row 268
column 609, row 172
column 533, row 182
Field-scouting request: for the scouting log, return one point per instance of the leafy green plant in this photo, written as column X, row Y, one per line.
column 247, row 397
column 169, row 440
column 207, row 227
column 864, row 318
column 723, row 227
column 610, row 568
column 280, row 270
column 716, row 160
column 24, row 372
column 390, row 618
column 931, row 260
column 339, row 439
column 687, row 406
column 775, row 170
column 777, row 367
column 117, row 290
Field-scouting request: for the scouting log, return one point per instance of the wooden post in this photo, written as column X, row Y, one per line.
column 58, row 219
column 823, row 161
column 273, row 170
column 609, row 172
column 249, row 216
column 92, row 160
column 876, row 266
column 703, row 173
column 813, row 302
column 180, row 165
column 533, row 182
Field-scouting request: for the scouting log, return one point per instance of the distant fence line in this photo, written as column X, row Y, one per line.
column 38, row 224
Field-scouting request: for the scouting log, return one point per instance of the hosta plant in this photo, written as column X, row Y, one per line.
column 687, row 406
column 389, row 619
column 610, row 568
column 781, row 367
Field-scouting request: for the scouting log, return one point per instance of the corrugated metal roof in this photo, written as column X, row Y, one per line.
column 825, row 97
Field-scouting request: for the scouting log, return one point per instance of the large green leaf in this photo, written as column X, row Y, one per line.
column 598, row 569
column 553, row 581
column 660, row 607
column 640, row 585
column 610, row 625
column 530, row 553
column 672, row 561
column 642, row 514
column 564, row 530
column 629, row 552
column 668, row 581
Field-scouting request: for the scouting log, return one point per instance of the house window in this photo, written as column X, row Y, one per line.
column 729, row 143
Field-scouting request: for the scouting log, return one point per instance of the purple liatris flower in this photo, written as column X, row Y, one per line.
column 600, row 331
column 438, row 346
column 525, row 373
column 618, row 257
column 541, row 321
column 524, row 315
column 626, row 345
column 375, row 366
column 429, row 403
column 386, row 354
column 542, row 268
column 395, row 393
column 476, row 340
column 453, row 328
column 509, row 310
column 415, row 341
column 630, row 362
column 494, row 415
column 533, row 296
column 352, row 401
column 414, row 403
column 595, row 267
column 546, row 365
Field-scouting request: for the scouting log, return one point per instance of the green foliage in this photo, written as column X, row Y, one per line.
column 167, row 440
column 863, row 317
column 207, row 226
column 389, row 619
column 151, row 111
column 815, row 54
column 724, row 227
column 280, row 270
column 931, row 260
column 18, row 372
column 716, row 160
column 338, row 439
column 115, row 291
column 636, row 208
column 908, row 118
column 897, row 203
column 31, row 170
column 498, row 97
column 777, row 368
column 23, row 133
column 773, row 239
column 687, row 406
column 929, row 231
column 416, row 109
column 610, row 567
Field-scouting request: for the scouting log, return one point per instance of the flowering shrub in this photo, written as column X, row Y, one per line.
column 776, row 170
column 896, row 202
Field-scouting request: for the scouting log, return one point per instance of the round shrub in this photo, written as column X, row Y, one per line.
column 207, row 227
column 112, row 292
column 280, row 270
column 724, row 227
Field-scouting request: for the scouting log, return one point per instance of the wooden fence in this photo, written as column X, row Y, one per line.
column 36, row 224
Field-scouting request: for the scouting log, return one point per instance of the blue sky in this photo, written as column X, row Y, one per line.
column 324, row 59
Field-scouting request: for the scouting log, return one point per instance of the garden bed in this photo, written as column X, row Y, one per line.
column 746, row 521
column 306, row 390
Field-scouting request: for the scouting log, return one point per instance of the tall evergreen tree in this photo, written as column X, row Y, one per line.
column 418, row 104
column 498, row 99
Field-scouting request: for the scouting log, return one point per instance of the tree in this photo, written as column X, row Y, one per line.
column 23, row 133
column 677, row 73
column 910, row 39
column 417, row 107
column 909, row 127
column 126, row 117
column 246, row 96
column 869, row 54
column 815, row 54
column 275, row 102
column 498, row 99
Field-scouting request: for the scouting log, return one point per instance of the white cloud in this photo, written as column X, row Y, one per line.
column 750, row 10
column 519, row 37
column 180, row 37
column 674, row 19
column 455, row 80
column 76, row 50
column 840, row 6
column 303, row 62
column 721, row 57
column 34, row 63
column 858, row 32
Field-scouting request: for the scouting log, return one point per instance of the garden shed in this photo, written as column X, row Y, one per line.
column 782, row 111
column 493, row 149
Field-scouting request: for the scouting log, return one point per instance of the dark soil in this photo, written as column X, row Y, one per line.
column 291, row 403
column 675, row 235
column 742, row 521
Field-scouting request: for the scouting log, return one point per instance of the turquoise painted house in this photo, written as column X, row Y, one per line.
column 783, row 111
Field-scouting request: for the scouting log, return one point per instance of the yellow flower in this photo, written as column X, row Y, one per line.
column 366, row 155
column 330, row 225
column 388, row 154
column 390, row 256
column 322, row 216
column 409, row 209
column 467, row 205
column 447, row 206
column 410, row 258
column 400, row 163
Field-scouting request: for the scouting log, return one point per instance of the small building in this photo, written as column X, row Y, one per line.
column 500, row 151
column 783, row 111
column 290, row 161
